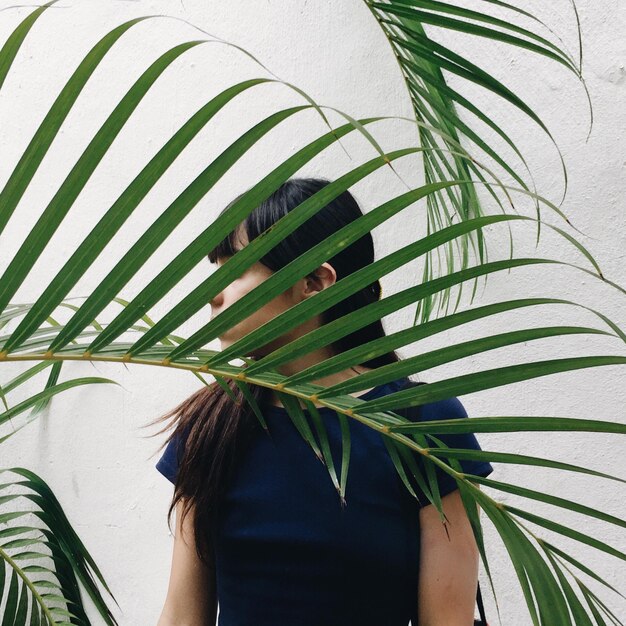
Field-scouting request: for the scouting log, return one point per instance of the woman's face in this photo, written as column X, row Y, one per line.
column 246, row 282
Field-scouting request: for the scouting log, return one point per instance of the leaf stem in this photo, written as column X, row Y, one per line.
column 29, row 584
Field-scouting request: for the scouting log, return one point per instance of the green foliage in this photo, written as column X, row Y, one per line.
column 45, row 571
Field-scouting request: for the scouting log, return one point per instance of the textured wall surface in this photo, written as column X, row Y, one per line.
column 91, row 446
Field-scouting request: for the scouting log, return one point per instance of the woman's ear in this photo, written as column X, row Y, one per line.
column 322, row 278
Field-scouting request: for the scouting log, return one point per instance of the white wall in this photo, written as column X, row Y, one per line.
column 90, row 446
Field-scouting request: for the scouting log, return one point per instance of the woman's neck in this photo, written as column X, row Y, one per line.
column 318, row 356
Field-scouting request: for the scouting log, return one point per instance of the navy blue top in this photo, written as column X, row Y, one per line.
column 288, row 554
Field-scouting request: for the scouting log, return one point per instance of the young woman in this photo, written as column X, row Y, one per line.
column 259, row 525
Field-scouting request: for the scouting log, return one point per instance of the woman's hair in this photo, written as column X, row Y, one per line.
column 214, row 429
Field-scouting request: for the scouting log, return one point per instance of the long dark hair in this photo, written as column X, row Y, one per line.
column 214, row 428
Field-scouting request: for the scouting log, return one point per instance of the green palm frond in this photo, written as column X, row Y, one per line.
column 107, row 326
column 42, row 558
column 425, row 65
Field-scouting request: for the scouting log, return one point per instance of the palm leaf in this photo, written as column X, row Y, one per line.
column 34, row 333
column 424, row 64
column 13, row 44
column 46, row 560
column 324, row 446
column 47, row 131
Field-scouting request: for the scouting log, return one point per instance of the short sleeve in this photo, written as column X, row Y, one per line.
column 452, row 408
column 171, row 458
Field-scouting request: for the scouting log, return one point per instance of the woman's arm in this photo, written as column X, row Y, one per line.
column 448, row 570
column 191, row 595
